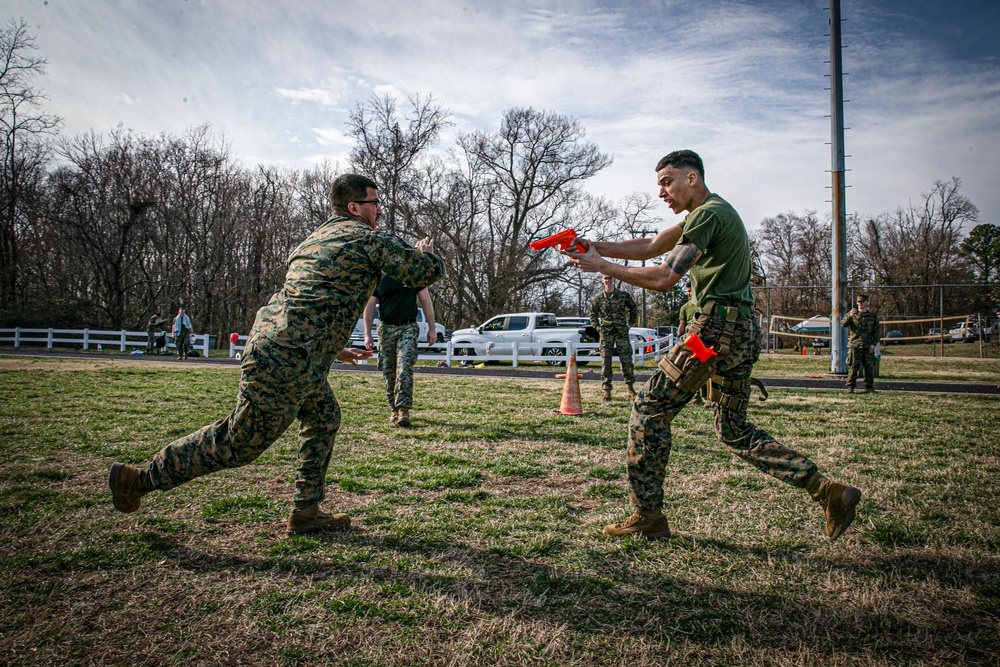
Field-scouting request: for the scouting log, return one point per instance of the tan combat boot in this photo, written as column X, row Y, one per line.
column 404, row 417
column 839, row 501
column 651, row 524
column 128, row 485
column 312, row 519
column 631, row 390
column 607, row 395
column 394, row 417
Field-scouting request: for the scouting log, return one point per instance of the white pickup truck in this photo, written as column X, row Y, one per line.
column 536, row 334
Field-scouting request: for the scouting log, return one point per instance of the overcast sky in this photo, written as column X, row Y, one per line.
column 742, row 83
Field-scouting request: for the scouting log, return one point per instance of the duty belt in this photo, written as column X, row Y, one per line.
column 715, row 308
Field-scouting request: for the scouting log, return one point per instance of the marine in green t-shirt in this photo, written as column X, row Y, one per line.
column 711, row 245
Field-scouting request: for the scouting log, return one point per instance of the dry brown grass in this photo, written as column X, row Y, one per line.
column 478, row 533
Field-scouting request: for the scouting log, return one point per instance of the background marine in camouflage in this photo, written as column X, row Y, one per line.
column 863, row 335
column 398, row 336
column 613, row 311
column 712, row 244
column 291, row 346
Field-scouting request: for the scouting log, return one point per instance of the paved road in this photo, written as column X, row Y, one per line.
column 589, row 375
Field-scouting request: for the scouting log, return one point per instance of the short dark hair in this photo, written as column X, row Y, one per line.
column 681, row 159
column 348, row 188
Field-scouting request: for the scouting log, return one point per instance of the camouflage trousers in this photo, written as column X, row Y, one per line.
column 858, row 358
column 277, row 386
column 397, row 352
column 660, row 401
column 616, row 344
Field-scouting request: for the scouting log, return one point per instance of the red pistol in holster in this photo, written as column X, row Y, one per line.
column 563, row 239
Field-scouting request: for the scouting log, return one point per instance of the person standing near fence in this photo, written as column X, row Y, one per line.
column 612, row 312
column 182, row 329
column 863, row 334
column 287, row 359
column 398, row 336
column 151, row 327
column 711, row 243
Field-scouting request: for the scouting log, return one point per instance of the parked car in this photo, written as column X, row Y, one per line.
column 964, row 332
column 935, row 332
column 573, row 321
column 639, row 335
column 537, row 334
column 894, row 338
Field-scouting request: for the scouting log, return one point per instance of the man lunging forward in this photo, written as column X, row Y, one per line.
column 711, row 243
column 294, row 339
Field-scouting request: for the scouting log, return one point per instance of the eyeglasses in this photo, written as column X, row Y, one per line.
column 376, row 201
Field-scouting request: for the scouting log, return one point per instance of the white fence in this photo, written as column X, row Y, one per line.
column 447, row 352
column 92, row 338
column 122, row 340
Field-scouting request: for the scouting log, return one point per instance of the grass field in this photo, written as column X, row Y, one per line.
column 477, row 538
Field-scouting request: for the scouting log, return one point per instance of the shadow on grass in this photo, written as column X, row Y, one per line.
column 652, row 604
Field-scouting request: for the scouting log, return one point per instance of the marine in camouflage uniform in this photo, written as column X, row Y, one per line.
column 712, row 244
column 612, row 312
column 292, row 344
column 863, row 335
column 151, row 327
column 398, row 338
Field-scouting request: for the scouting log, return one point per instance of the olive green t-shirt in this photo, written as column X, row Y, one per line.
column 688, row 312
column 722, row 273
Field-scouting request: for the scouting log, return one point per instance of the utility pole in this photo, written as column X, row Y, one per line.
column 838, row 268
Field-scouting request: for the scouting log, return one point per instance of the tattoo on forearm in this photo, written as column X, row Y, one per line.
column 682, row 258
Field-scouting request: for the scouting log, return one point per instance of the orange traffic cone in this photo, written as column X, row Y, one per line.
column 571, row 404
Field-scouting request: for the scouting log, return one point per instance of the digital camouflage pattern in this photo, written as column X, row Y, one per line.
column 292, row 344
column 151, row 327
column 397, row 352
column 660, row 401
column 612, row 314
column 862, row 329
column 616, row 344
column 863, row 333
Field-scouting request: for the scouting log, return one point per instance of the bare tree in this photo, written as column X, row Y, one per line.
column 916, row 245
column 793, row 249
column 388, row 153
column 520, row 182
column 25, row 149
column 102, row 201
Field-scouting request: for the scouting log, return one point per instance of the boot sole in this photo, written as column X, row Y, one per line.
column 119, row 503
column 849, row 500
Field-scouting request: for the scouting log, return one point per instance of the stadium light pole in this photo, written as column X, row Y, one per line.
column 838, row 268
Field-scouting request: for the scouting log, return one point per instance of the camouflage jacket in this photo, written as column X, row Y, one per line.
column 330, row 277
column 613, row 312
column 863, row 329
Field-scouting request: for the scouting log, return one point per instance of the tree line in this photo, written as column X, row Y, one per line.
column 102, row 230
column 913, row 257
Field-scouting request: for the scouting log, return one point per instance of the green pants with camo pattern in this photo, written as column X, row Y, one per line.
column 397, row 352
column 660, row 401
column 277, row 386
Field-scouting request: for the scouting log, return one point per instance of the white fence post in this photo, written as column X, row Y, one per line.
column 48, row 343
column 17, row 337
column 122, row 346
column 86, row 339
column 514, row 351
